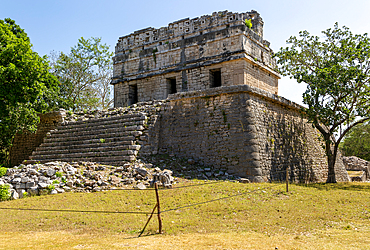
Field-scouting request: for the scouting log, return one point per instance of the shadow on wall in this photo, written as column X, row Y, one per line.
column 287, row 146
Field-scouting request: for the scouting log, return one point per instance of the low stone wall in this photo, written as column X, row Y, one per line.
column 25, row 143
column 245, row 131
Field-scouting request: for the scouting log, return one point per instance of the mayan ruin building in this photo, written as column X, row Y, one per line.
column 203, row 89
column 193, row 54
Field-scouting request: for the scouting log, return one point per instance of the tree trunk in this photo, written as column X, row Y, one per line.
column 331, row 172
column 331, row 160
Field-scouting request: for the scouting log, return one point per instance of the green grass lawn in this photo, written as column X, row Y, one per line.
column 314, row 215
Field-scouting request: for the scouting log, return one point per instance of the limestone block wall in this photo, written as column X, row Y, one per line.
column 236, row 72
column 25, row 143
column 246, row 131
column 189, row 52
column 287, row 140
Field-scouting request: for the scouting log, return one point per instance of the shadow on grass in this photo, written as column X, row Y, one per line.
column 145, row 234
column 348, row 186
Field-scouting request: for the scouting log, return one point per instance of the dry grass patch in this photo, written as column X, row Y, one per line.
column 261, row 216
column 330, row 239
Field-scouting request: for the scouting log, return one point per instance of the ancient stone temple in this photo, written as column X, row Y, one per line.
column 203, row 89
column 193, row 54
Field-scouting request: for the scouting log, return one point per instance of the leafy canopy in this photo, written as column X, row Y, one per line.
column 337, row 71
column 25, row 82
column 357, row 142
column 84, row 75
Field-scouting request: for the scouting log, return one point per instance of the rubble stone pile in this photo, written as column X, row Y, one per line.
column 59, row 177
column 353, row 163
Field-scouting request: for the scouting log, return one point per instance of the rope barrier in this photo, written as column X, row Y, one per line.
column 222, row 198
column 152, row 189
column 195, row 185
column 74, row 211
column 129, row 189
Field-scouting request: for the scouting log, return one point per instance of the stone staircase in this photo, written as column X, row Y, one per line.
column 110, row 140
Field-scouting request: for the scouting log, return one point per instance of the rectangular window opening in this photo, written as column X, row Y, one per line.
column 215, row 78
column 132, row 94
column 171, row 85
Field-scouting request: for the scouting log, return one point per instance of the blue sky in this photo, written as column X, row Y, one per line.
column 57, row 25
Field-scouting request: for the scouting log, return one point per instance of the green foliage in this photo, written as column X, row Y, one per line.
column 357, row 142
column 102, row 140
column 58, row 174
column 84, row 74
column 26, row 86
column 55, row 182
column 64, row 180
column 3, row 171
column 4, row 192
column 337, row 71
column 50, row 187
column 248, row 23
column 224, row 115
column 154, row 55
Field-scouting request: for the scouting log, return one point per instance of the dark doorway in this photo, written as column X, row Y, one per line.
column 171, row 85
column 132, row 94
column 215, row 78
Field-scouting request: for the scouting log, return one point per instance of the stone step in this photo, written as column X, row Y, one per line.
column 87, row 127
column 103, row 160
column 95, row 129
column 69, row 150
column 127, row 120
column 109, row 140
column 43, row 147
column 127, row 140
column 54, row 155
column 129, row 116
column 117, row 133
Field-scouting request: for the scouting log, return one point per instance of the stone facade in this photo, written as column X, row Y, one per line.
column 245, row 131
column 25, row 143
column 193, row 54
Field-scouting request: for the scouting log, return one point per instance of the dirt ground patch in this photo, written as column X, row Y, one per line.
column 332, row 239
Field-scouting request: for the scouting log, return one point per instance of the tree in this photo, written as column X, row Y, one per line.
column 357, row 142
column 84, row 75
column 25, row 84
column 337, row 72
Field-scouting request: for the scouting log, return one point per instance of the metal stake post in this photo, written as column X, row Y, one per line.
column 158, row 208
